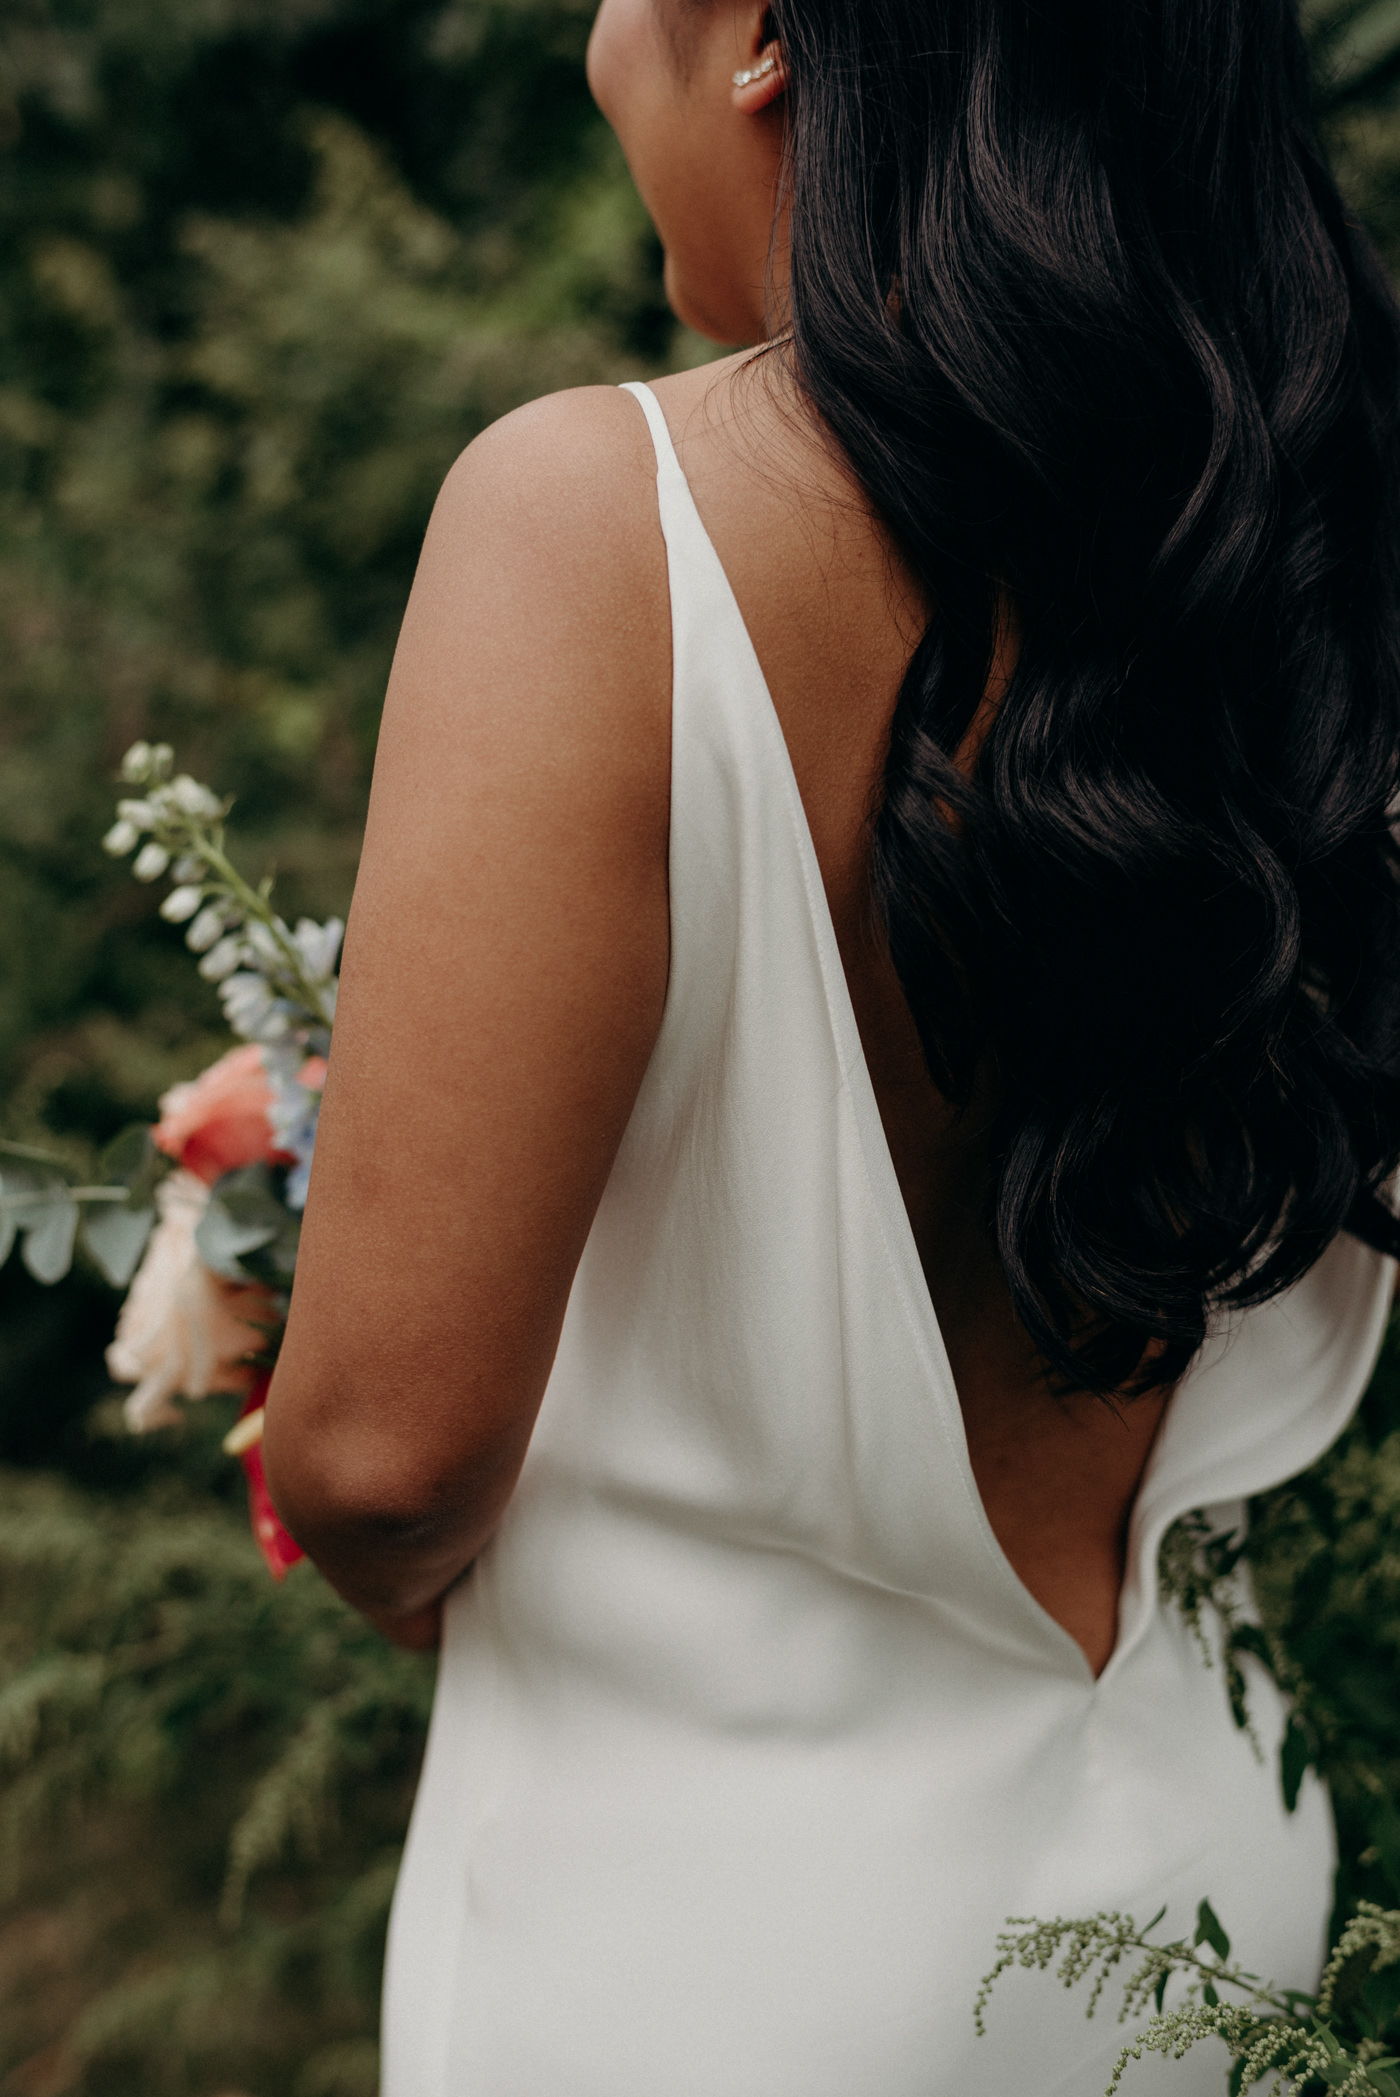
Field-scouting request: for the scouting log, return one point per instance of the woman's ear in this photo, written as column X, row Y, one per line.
column 760, row 80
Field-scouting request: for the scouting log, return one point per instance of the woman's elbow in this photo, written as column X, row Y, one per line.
column 375, row 1491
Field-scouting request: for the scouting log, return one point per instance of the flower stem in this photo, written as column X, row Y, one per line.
column 40, row 1197
column 252, row 904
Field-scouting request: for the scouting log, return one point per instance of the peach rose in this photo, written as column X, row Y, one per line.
column 183, row 1331
column 220, row 1120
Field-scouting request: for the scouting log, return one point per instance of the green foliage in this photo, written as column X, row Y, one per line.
column 1357, row 49
column 248, row 321
column 265, row 269
column 1356, row 45
column 235, row 1760
column 1330, row 2041
column 247, row 1231
column 47, row 1215
column 1197, row 1571
column 1324, row 1551
column 1324, row 1555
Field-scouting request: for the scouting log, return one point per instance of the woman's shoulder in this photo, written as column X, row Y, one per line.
column 545, row 543
column 571, row 466
column 581, row 461
column 544, row 568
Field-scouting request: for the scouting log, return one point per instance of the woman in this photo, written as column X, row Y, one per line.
column 868, row 1059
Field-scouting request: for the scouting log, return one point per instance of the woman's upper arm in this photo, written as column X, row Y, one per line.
column 504, row 976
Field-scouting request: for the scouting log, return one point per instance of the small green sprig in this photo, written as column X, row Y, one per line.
column 43, row 1212
column 1203, row 1572
column 1198, row 1569
column 1335, row 2039
column 276, row 984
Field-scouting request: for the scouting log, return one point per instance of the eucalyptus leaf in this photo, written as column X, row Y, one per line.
column 222, row 1241
column 13, row 1180
column 35, row 1205
column 248, row 1195
column 27, row 1151
column 280, row 1258
column 131, row 1160
column 49, row 1231
column 260, row 1235
column 115, row 1237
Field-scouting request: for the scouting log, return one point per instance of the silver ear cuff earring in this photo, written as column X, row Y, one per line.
column 758, row 72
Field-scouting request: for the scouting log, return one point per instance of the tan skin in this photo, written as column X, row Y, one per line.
column 506, row 961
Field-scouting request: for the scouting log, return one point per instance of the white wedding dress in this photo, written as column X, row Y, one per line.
column 747, row 1738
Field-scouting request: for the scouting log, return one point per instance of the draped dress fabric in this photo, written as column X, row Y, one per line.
column 747, row 1737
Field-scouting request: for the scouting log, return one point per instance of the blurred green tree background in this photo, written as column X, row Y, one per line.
column 266, row 266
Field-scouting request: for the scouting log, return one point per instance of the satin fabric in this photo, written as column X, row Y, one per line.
column 747, row 1737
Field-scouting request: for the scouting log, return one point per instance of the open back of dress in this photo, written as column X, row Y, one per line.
column 747, row 1738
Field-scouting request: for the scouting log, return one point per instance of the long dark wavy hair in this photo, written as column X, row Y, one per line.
column 1077, row 297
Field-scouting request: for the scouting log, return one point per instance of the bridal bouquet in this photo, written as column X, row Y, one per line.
column 200, row 1214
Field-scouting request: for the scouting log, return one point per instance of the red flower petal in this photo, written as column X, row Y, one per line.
column 279, row 1547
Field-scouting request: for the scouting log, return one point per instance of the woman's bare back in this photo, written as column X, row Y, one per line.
column 834, row 617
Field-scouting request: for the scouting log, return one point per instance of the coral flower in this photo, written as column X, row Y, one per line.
column 220, row 1120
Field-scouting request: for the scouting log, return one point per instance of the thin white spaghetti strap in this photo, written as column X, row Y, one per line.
column 666, row 460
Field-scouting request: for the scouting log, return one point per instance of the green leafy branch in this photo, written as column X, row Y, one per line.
column 248, row 1233
column 1198, row 1571
column 1334, row 2040
column 42, row 1209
